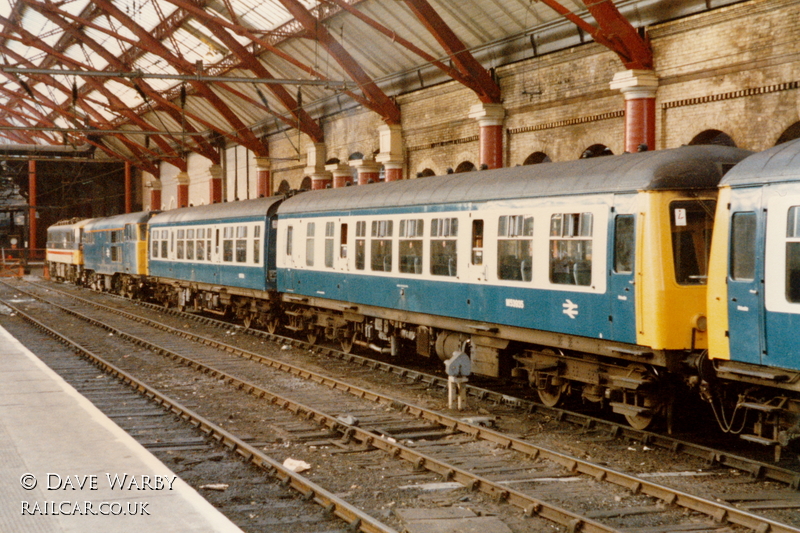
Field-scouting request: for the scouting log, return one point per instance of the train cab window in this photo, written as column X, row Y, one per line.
column 142, row 232
column 381, row 246
column 793, row 255
column 310, row 229
column 289, row 238
column 241, row 244
column 515, row 248
column 130, row 232
column 624, row 240
column 190, row 244
column 571, row 248
column 361, row 249
column 257, row 244
column 477, row 242
column 411, row 232
column 329, row 244
column 691, row 223
column 227, row 244
column 343, row 241
column 180, row 243
column 743, row 246
column 444, row 254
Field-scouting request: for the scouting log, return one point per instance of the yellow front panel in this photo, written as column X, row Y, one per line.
column 718, row 343
column 666, row 311
column 141, row 257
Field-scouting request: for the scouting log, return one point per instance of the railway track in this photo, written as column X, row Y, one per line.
column 529, row 476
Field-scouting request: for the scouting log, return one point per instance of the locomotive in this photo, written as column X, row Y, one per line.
column 596, row 278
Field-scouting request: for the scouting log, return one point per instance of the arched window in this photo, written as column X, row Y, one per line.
column 465, row 166
column 284, row 187
column 305, row 185
column 426, row 173
column 791, row 133
column 596, row 150
column 716, row 137
column 355, row 156
column 536, row 158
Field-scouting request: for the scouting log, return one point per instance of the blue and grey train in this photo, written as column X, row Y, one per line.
column 596, row 278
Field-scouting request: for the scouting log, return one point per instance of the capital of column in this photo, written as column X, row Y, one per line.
column 636, row 84
column 182, row 178
column 365, row 165
column 155, row 184
column 390, row 137
column 215, row 171
column 488, row 114
column 315, row 158
column 263, row 163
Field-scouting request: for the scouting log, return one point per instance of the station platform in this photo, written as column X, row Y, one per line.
column 62, row 463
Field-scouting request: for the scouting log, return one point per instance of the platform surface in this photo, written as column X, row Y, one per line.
column 50, row 433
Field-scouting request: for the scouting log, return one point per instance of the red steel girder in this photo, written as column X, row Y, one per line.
column 480, row 80
column 378, row 101
column 303, row 120
column 615, row 32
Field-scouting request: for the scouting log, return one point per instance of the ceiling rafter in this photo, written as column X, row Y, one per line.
column 378, row 101
column 479, row 78
column 303, row 120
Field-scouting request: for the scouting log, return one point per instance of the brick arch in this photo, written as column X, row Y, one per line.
column 536, row 158
column 305, row 185
column 465, row 166
column 596, row 150
column 789, row 134
column 716, row 137
column 284, row 187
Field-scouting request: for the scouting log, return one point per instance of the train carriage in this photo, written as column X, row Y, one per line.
column 64, row 253
column 115, row 253
column 563, row 270
column 217, row 258
column 754, row 292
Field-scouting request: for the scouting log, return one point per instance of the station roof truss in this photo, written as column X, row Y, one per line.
column 149, row 81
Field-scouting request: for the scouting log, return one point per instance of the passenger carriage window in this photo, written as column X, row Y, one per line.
column 257, row 244
column 444, row 257
column 477, row 242
column 227, row 244
column 164, row 243
column 571, row 248
column 343, row 241
column 241, row 244
column 515, row 248
column 208, row 243
column 361, row 232
column 411, row 233
column 793, row 255
column 181, row 236
column 154, row 243
column 200, row 245
column 623, row 244
column 289, row 236
column 691, row 222
column 743, row 246
column 381, row 246
column 190, row 244
column 329, row 244
column 310, row 229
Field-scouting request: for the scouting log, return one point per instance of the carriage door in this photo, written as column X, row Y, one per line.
column 745, row 288
column 621, row 280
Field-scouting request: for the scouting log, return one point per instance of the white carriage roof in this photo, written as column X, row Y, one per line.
column 258, row 207
column 778, row 164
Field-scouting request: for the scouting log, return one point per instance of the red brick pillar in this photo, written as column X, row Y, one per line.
column 367, row 169
column 490, row 124
column 155, row 195
column 264, row 176
column 128, row 188
column 215, row 184
column 342, row 174
column 390, row 137
column 183, row 189
column 31, row 204
column 639, row 88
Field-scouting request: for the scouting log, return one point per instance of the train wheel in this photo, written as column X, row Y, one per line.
column 347, row 342
column 550, row 395
column 312, row 335
column 640, row 421
column 273, row 325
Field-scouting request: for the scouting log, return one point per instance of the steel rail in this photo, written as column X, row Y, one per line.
column 716, row 511
column 757, row 469
column 356, row 519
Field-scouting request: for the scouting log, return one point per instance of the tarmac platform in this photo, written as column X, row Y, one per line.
column 66, row 467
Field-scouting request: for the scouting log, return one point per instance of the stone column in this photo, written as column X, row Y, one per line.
column 155, row 195
column 264, row 176
column 183, row 189
column 128, row 187
column 215, row 184
column 320, row 178
column 367, row 169
column 639, row 88
column 31, row 204
column 490, row 123
column 391, row 154
column 342, row 174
